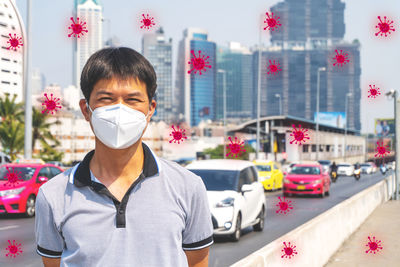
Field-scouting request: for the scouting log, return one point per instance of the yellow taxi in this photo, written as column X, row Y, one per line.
column 269, row 174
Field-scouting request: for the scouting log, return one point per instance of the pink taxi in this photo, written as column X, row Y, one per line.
column 309, row 179
column 19, row 185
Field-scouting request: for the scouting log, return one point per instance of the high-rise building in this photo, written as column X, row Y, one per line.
column 89, row 11
column 313, row 31
column 11, row 62
column 38, row 82
column 236, row 62
column 158, row 50
column 195, row 93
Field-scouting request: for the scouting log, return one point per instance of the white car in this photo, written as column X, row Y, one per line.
column 345, row 169
column 235, row 196
column 366, row 168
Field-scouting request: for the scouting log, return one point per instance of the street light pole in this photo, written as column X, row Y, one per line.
column 224, row 104
column 280, row 103
column 393, row 93
column 345, row 128
column 258, row 93
column 317, row 108
column 28, row 94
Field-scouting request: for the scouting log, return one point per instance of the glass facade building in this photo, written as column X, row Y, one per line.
column 313, row 31
column 195, row 95
column 158, row 51
column 238, row 68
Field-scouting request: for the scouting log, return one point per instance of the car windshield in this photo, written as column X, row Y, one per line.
column 324, row 162
column 263, row 168
column 218, row 180
column 24, row 173
column 365, row 165
column 344, row 165
column 305, row 170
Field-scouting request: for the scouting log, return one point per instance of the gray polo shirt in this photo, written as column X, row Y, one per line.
column 163, row 213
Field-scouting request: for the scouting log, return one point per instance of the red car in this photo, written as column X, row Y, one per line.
column 308, row 179
column 19, row 197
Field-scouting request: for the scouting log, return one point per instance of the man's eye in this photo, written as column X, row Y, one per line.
column 103, row 98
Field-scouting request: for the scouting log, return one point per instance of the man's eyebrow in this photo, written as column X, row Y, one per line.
column 136, row 93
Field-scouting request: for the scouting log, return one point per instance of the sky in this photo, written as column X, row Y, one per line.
column 225, row 20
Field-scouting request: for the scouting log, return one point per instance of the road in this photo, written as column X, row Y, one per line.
column 222, row 252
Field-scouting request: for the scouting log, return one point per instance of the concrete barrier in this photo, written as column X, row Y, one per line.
column 318, row 239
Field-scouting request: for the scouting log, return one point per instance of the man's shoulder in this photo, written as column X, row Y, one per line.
column 173, row 169
column 57, row 184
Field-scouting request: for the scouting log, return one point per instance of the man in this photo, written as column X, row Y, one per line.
column 122, row 205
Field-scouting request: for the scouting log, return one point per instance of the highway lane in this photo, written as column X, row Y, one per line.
column 223, row 252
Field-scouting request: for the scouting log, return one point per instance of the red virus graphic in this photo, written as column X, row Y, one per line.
column 299, row 135
column 177, row 135
column 381, row 150
column 273, row 67
column 283, row 206
column 78, row 28
column 272, row 22
column 373, row 245
column 51, row 104
column 385, row 27
column 235, row 147
column 15, row 42
column 147, row 22
column 13, row 249
column 199, row 63
column 288, row 250
column 373, row 92
column 340, row 58
column 12, row 177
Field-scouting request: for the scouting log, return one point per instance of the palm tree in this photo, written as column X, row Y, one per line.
column 10, row 110
column 41, row 129
column 11, row 126
column 12, row 137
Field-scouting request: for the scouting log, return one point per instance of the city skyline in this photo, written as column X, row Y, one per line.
column 359, row 25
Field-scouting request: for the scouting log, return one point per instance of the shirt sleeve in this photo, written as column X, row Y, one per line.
column 49, row 240
column 198, row 231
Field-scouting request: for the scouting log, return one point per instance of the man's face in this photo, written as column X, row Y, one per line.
column 131, row 93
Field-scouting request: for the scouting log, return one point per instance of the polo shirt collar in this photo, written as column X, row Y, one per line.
column 80, row 174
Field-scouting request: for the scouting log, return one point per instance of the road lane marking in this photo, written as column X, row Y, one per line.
column 9, row 227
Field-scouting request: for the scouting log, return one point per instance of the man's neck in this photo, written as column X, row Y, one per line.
column 110, row 164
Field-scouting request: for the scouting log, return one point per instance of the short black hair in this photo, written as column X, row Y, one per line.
column 121, row 63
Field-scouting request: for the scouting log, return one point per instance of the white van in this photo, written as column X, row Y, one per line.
column 4, row 159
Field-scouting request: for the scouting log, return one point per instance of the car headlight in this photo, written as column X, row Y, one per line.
column 286, row 181
column 317, row 181
column 227, row 202
column 10, row 192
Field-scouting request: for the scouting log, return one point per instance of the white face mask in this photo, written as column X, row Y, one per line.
column 118, row 126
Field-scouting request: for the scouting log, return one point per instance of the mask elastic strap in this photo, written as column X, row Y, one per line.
column 87, row 104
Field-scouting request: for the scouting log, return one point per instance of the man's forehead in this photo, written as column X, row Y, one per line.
column 116, row 86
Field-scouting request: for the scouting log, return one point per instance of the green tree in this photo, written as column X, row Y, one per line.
column 9, row 110
column 41, row 128
column 12, row 137
column 12, row 129
column 11, row 126
column 218, row 152
column 49, row 153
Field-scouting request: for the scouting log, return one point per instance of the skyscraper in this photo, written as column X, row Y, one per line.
column 89, row 11
column 158, row 50
column 195, row 93
column 236, row 61
column 11, row 62
column 38, row 82
column 311, row 32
